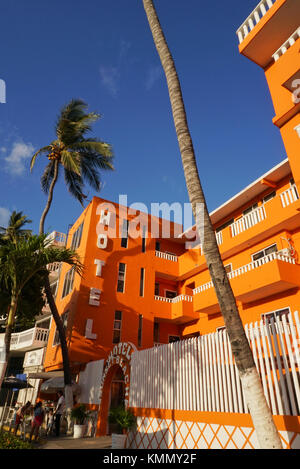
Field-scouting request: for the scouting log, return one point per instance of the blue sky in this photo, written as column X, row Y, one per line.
column 103, row 53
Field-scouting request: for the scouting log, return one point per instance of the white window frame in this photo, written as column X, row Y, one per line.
column 125, row 270
column 119, row 321
column 71, row 273
column 65, row 319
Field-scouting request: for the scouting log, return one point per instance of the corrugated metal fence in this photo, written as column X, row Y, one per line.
column 200, row 375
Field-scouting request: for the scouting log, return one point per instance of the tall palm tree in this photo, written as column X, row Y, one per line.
column 15, row 228
column 81, row 159
column 20, row 262
column 266, row 430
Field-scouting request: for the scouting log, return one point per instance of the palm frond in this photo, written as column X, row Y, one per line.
column 71, row 161
column 94, row 145
column 42, row 150
column 48, row 176
column 74, row 184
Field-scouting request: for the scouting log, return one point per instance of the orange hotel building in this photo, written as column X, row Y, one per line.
column 149, row 290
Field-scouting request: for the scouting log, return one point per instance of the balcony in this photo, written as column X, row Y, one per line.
column 267, row 28
column 179, row 310
column 167, row 256
column 54, row 271
column 289, row 43
column 56, row 239
column 166, row 265
column 259, row 279
column 247, row 221
column 30, row 339
column 289, row 196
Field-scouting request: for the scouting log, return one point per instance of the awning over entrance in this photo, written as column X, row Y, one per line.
column 44, row 375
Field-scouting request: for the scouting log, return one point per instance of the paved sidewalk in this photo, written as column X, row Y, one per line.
column 68, row 442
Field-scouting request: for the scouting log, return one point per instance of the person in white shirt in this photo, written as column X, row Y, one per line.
column 60, row 407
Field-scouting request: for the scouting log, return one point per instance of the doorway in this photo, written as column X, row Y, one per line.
column 117, row 395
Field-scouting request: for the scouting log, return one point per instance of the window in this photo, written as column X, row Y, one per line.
column 250, row 209
column 53, row 288
column 77, row 237
column 140, row 330
column 124, row 240
column 68, row 283
column 117, row 327
column 157, row 246
column 269, row 197
column 267, row 317
column 264, row 252
column 293, row 185
column 64, row 319
column 156, row 332
column 170, row 294
column 121, row 278
column 156, row 289
column 142, row 281
column 228, row 268
column 222, row 227
column 173, row 338
column 144, row 239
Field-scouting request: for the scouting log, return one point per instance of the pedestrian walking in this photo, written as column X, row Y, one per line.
column 60, row 407
column 38, row 418
column 20, row 414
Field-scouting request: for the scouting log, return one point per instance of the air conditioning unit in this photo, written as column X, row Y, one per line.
column 285, row 252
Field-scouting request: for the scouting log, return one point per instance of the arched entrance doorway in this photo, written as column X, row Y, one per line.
column 115, row 382
column 117, row 395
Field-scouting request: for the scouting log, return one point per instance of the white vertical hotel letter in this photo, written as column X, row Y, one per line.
column 88, row 330
column 99, row 265
column 104, row 218
column 94, row 299
column 102, row 241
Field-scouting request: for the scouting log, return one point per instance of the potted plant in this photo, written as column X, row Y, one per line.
column 79, row 414
column 124, row 421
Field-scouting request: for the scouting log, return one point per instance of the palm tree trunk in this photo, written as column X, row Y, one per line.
column 7, row 336
column 266, row 430
column 54, row 311
column 50, row 197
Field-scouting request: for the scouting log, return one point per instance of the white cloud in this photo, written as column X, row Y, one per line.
column 18, row 158
column 110, row 77
column 154, row 74
column 4, row 216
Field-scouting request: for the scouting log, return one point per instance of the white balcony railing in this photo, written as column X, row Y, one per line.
column 54, row 267
column 56, row 238
column 254, row 18
column 289, row 43
column 167, row 256
column 248, row 267
column 177, row 299
column 31, row 338
column 247, row 221
column 289, row 196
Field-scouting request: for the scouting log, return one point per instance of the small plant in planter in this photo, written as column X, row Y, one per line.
column 125, row 421
column 79, row 414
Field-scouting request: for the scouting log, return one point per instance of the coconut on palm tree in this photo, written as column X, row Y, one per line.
column 266, row 431
column 20, row 262
column 81, row 159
